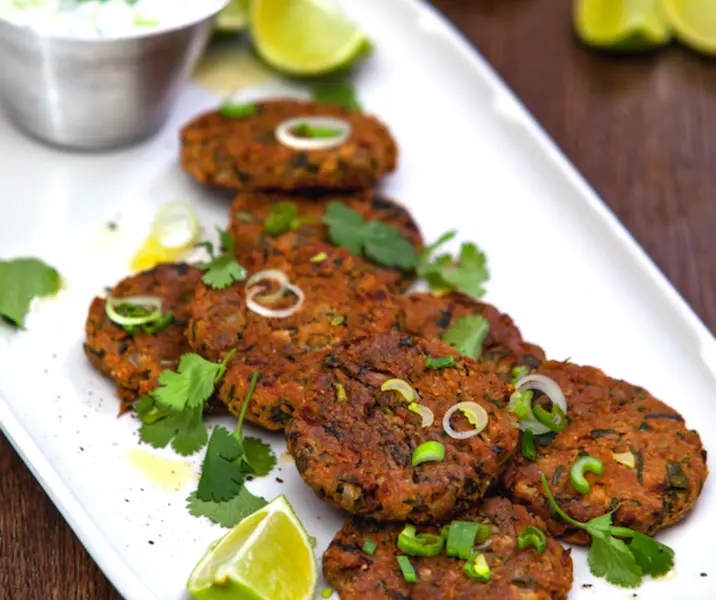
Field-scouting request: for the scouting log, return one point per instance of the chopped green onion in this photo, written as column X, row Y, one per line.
column 162, row 323
column 474, row 413
column 425, row 413
column 282, row 217
column 518, row 373
column 532, row 536
column 400, row 386
column 310, row 131
column 369, row 546
column 409, row 573
column 233, row 110
column 320, row 257
column 556, row 420
column 440, row 363
column 326, row 593
column 484, row 533
column 625, row 458
column 134, row 310
column 476, row 567
column 428, row 452
column 419, row 544
column 528, row 445
column 521, row 404
column 341, row 395
column 336, row 321
column 581, row 466
column 461, row 539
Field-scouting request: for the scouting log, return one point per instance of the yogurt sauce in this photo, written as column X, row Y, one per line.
column 103, row 18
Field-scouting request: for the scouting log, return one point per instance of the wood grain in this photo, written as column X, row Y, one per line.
column 638, row 128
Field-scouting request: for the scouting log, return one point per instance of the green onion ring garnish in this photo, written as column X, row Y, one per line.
column 428, row 452
column 532, row 536
column 419, row 544
column 401, row 386
column 138, row 310
column 461, row 538
column 581, row 466
column 407, row 569
column 476, row 567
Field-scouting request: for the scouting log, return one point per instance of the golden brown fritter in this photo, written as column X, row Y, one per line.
column 353, row 444
column 253, row 245
column 244, row 154
column 606, row 417
column 429, row 316
column 135, row 361
column 342, row 300
column 515, row 574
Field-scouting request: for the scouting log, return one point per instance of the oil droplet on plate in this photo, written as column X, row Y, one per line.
column 167, row 475
column 228, row 67
column 286, row 458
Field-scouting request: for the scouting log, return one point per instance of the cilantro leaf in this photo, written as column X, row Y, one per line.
column 222, row 270
column 192, row 384
column 380, row 242
column 259, row 459
column 282, row 217
column 222, row 475
column 654, row 558
column 21, row 280
column 185, row 430
column 340, row 93
column 229, row 513
column 611, row 558
column 442, row 273
column 467, row 335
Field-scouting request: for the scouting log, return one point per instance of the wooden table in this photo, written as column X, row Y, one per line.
column 642, row 131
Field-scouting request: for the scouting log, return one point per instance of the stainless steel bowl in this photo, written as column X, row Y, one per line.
column 96, row 93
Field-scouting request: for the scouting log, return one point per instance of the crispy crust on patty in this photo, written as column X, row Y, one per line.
column 342, row 300
column 515, row 574
column 608, row 416
column 253, row 245
column 354, row 447
column 135, row 361
column 429, row 316
column 244, row 154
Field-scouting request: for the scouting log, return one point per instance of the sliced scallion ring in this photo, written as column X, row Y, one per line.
column 625, row 458
column 278, row 277
column 550, row 388
column 274, row 313
column 133, row 310
column 428, row 452
column 474, row 413
column 176, row 226
column 331, row 132
column 426, row 414
column 401, row 386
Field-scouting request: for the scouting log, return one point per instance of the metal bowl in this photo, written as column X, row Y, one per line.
column 91, row 94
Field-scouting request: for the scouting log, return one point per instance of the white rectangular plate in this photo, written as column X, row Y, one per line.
column 471, row 158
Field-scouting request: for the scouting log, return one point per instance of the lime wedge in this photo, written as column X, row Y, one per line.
column 694, row 22
column 621, row 25
column 235, row 17
column 305, row 37
column 267, row 556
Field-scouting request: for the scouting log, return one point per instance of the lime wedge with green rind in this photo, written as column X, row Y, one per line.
column 306, row 38
column 234, row 17
column 694, row 23
column 267, row 556
column 621, row 25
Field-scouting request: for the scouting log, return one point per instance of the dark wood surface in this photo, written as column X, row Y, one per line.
column 642, row 131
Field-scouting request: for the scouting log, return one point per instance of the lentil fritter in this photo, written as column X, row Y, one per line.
column 606, row 417
column 253, row 244
column 244, row 153
column 429, row 316
column 135, row 361
column 342, row 300
column 515, row 574
column 353, row 443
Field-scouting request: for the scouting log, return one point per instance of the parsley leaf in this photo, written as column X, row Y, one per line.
column 282, row 217
column 222, row 476
column 259, row 459
column 467, row 335
column 610, row 557
column 21, row 280
column 221, row 270
column 340, row 93
column 442, row 273
column 229, row 513
column 379, row 241
column 185, row 430
column 192, row 384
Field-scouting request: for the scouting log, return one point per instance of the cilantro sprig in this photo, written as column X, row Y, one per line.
column 443, row 273
column 467, row 335
column 22, row 280
column 377, row 240
column 611, row 557
column 223, row 269
column 221, row 495
column 173, row 413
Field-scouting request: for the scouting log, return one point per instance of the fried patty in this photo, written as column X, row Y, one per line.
column 135, row 361
column 253, row 245
column 342, row 300
column 244, row 154
column 429, row 316
column 515, row 574
column 606, row 417
column 353, row 444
